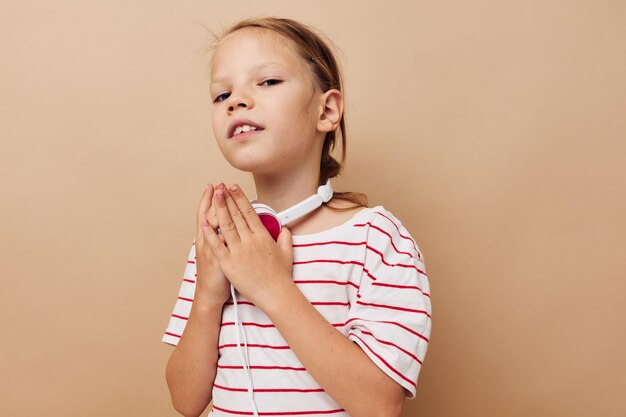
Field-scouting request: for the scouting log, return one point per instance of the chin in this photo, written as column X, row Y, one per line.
column 254, row 164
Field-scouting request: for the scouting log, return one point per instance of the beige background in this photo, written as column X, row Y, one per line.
column 493, row 129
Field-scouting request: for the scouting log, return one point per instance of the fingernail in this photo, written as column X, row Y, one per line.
column 220, row 186
column 234, row 188
column 220, row 193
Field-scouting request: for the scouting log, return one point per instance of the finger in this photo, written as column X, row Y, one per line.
column 214, row 241
column 246, row 209
column 285, row 243
column 205, row 205
column 205, row 202
column 235, row 214
column 212, row 218
column 227, row 225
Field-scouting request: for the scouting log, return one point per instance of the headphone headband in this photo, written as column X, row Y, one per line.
column 324, row 194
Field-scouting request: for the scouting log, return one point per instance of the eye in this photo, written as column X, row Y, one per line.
column 272, row 81
column 217, row 99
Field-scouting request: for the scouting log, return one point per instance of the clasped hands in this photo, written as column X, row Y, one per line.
column 256, row 265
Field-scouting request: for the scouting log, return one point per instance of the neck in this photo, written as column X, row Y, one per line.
column 283, row 191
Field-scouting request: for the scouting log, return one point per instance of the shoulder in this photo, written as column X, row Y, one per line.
column 387, row 233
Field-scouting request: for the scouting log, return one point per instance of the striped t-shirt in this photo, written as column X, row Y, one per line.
column 366, row 277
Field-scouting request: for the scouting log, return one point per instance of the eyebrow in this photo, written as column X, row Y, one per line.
column 255, row 68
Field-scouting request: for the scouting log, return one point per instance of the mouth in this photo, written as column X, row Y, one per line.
column 242, row 128
column 244, row 135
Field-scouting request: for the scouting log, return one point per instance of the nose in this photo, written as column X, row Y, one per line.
column 240, row 100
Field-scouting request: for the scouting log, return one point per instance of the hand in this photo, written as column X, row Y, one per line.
column 211, row 284
column 256, row 265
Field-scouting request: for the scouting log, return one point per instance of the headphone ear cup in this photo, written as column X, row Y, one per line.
column 269, row 218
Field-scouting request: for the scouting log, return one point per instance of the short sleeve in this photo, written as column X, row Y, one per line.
column 390, row 318
column 182, row 307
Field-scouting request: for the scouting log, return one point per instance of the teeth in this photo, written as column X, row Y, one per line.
column 243, row 128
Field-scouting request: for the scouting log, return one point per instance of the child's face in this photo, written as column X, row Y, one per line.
column 286, row 109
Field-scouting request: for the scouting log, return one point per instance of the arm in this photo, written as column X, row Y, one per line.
column 339, row 365
column 191, row 369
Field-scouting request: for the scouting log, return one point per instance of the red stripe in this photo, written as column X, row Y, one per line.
column 283, row 368
column 248, row 323
column 392, row 344
column 247, row 303
column 180, row 317
column 185, row 299
column 332, row 242
column 394, row 308
column 279, row 413
column 385, row 362
column 321, row 281
column 412, row 287
column 390, row 239
column 382, row 259
column 400, row 233
column 330, row 303
column 189, row 280
column 255, row 345
column 315, row 303
column 369, row 274
column 173, row 334
column 328, row 261
column 361, row 263
column 412, row 267
column 337, row 242
column 190, row 262
column 389, row 285
column 268, row 389
column 391, row 322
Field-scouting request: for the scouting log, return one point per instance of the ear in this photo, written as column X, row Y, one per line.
column 331, row 110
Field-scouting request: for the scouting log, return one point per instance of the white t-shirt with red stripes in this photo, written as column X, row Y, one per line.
column 366, row 277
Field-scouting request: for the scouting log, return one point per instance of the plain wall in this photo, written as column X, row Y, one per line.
column 493, row 129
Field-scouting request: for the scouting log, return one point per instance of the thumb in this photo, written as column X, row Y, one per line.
column 284, row 242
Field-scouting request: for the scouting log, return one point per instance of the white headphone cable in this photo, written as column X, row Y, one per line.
column 245, row 361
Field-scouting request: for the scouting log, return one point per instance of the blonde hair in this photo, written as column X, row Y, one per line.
column 326, row 74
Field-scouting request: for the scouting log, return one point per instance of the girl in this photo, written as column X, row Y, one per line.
column 335, row 314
